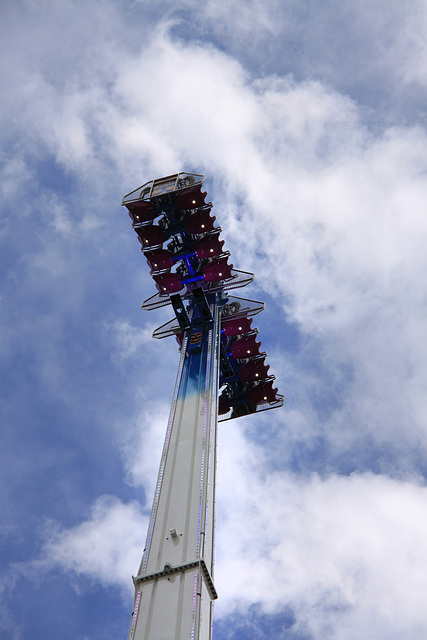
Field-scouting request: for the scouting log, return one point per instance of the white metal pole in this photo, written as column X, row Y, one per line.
column 174, row 590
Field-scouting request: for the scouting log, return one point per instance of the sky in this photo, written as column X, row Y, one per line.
column 308, row 120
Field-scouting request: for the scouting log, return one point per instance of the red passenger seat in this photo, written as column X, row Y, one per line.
column 159, row 259
column 150, row 236
column 262, row 393
column 209, row 247
column 254, row 370
column 192, row 198
column 236, row 326
column 246, row 347
column 168, row 283
column 217, row 271
column 141, row 212
column 200, row 222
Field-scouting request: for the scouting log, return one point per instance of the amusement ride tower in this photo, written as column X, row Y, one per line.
column 221, row 375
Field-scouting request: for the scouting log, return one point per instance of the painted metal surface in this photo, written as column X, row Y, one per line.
column 174, row 589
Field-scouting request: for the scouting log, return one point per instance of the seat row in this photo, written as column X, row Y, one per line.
column 251, row 385
column 194, row 241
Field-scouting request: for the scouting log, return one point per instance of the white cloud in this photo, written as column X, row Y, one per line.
column 339, row 209
column 345, row 553
column 142, row 446
column 107, row 547
column 130, row 340
column 333, row 214
column 329, row 214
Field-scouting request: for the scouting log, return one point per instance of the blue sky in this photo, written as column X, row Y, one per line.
column 308, row 120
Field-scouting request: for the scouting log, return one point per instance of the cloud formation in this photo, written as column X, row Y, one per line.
column 308, row 123
column 96, row 547
column 346, row 554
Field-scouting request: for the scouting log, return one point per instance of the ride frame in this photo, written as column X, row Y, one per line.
column 174, row 587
